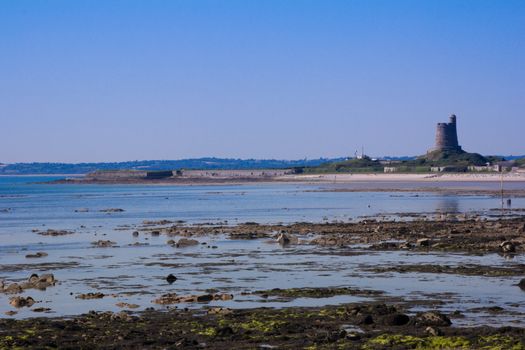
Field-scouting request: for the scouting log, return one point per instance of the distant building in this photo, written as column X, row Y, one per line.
column 447, row 136
column 448, row 169
column 390, row 169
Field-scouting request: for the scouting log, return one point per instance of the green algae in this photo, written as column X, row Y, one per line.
column 413, row 342
column 209, row 332
column 263, row 326
column 500, row 342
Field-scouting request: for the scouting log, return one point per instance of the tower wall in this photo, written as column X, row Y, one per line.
column 446, row 136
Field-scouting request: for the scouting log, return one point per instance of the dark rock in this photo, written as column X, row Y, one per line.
column 285, row 239
column 204, row 298
column 111, row 210
column 224, row 331
column 186, row 242
column 521, row 284
column 36, row 255
column 424, row 242
column 507, row 247
column 21, row 302
column 97, row 295
column 171, row 278
column 41, row 309
column 396, row 319
column 13, row 288
column 368, row 319
column 50, row 232
column 433, row 318
column 103, row 244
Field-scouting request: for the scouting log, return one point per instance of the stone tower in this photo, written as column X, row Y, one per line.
column 447, row 136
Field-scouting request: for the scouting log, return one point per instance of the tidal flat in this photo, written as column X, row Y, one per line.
column 258, row 266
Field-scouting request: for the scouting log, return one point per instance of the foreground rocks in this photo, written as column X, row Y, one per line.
column 474, row 235
column 103, row 244
column 173, row 298
column 51, row 232
column 352, row 326
column 33, row 282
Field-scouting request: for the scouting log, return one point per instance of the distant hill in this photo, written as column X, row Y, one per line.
column 455, row 158
column 197, row 163
column 459, row 161
column 340, row 164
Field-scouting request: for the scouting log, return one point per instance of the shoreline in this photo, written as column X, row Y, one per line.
column 307, row 178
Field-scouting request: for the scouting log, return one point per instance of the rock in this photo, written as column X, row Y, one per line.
column 138, row 244
column 155, row 223
column 328, row 241
column 225, row 296
column 173, row 298
column 155, row 233
column 121, row 316
column 126, row 305
column 10, row 313
column 171, row 242
column 50, row 232
column 103, row 244
column 34, row 281
column 111, row 210
column 36, row 255
column 522, row 284
column 169, row 298
column 171, row 278
column 21, row 302
column 367, row 319
column 396, row 319
column 433, row 331
column 433, row 318
column 186, row 242
column 225, row 331
column 219, row 311
column 47, row 277
column 13, row 288
column 423, row 242
column 205, row 298
column 353, row 336
column 88, row 296
column 41, row 309
column 2, row 284
column 285, row 239
column 403, row 230
column 406, row 245
column 33, row 278
column 507, row 247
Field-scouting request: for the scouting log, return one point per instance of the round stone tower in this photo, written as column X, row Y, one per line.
column 447, row 136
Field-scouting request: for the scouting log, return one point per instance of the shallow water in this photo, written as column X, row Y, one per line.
column 137, row 274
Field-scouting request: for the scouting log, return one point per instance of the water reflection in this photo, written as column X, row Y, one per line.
column 447, row 205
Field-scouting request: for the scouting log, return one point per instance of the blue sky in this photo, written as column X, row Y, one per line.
column 123, row 80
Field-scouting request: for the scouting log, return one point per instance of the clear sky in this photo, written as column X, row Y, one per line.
column 123, row 80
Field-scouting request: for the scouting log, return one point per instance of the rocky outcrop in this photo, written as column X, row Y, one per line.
column 173, row 298
column 33, row 282
column 19, row 302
